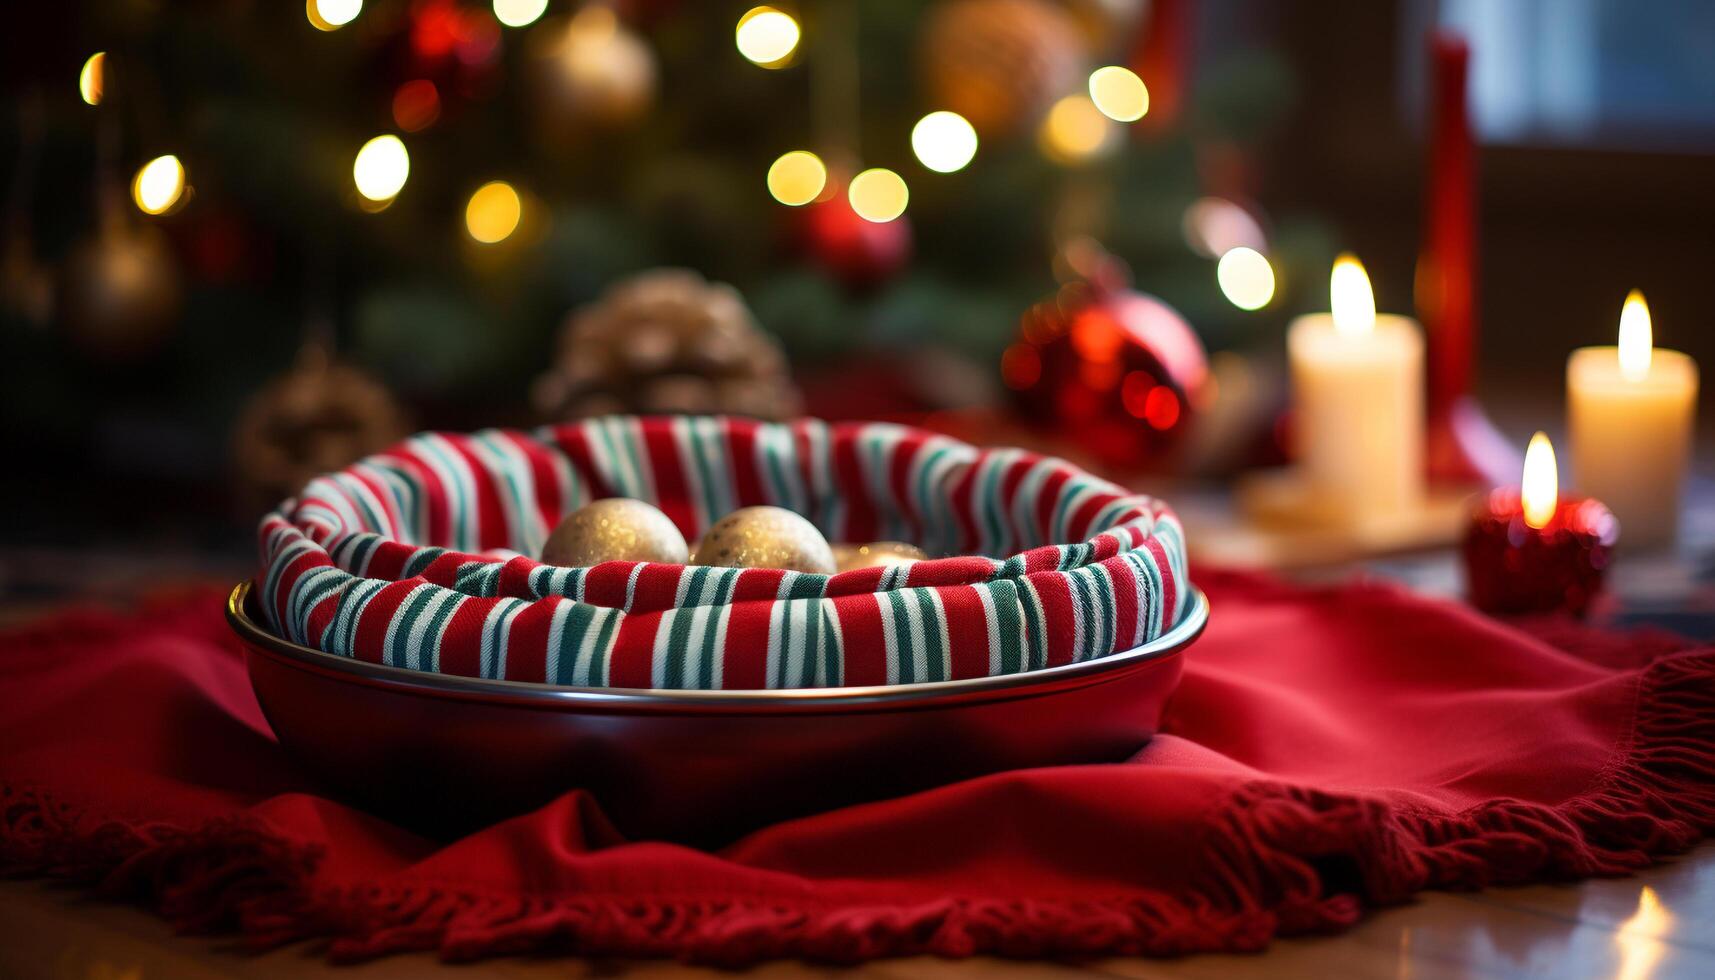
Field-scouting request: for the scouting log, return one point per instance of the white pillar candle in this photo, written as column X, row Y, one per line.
column 1629, row 415
column 1357, row 397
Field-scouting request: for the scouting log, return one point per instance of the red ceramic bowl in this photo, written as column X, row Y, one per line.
column 445, row 754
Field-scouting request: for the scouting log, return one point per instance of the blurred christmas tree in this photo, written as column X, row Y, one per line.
column 443, row 181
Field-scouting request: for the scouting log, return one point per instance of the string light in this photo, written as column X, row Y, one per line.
column 493, row 212
column 1075, row 130
column 944, row 141
column 878, row 195
column 797, row 178
column 158, row 185
column 416, row 105
column 1246, row 278
column 767, row 36
column 331, row 15
column 519, row 13
column 381, row 168
column 92, row 80
column 1119, row 93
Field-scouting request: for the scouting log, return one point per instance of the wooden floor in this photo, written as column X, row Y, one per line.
column 1658, row 924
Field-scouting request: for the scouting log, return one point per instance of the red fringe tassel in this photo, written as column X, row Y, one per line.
column 1286, row 861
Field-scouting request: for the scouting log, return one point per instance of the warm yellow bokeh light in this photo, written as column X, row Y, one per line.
column 797, row 178
column 92, row 80
column 381, row 168
column 1119, row 93
column 767, row 36
column 1075, row 130
column 1246, row 278
column 1539, row 490
column 493, row 212
column 1637, row 340
column 158, row 186
column 331, row 15
column 878, row 195
column 944, row 141
column 519, row 13
column 1351, row 299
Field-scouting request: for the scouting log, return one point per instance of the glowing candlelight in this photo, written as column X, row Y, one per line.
column 1540, row 488
column 1350, row 297
column 1629, row 415
column 1357, row 397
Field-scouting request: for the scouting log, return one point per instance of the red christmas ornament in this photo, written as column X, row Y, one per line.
column 858, row 252
column 1116, row 372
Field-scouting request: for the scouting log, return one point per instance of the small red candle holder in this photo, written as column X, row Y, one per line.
column 1512, row 567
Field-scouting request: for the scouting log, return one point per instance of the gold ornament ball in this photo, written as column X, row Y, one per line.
column 765, row 537
column 614, row 529
column 850, row 557
column 593, row 71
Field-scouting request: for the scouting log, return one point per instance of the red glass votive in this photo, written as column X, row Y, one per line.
column 1512, row 567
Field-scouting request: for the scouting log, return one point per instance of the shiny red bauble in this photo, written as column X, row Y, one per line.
column 857, row 252
column 1116, row 372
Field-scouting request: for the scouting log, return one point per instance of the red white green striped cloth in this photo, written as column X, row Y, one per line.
column 418, row 557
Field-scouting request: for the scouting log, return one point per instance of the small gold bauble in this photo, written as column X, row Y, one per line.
column 614, row 529
column 765, row 537
column 849, row 557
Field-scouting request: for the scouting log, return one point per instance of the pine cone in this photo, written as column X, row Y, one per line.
column 320, row 416
column 666, row 341
column 1000, row 63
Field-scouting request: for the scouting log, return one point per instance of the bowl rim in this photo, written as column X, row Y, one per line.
column 927, row 694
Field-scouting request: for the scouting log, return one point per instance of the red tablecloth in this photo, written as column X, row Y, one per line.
column 1329, row 750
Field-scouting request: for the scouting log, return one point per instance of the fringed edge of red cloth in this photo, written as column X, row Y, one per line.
column 1287, row 861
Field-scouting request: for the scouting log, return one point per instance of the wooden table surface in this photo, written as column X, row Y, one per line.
column 1660, row 923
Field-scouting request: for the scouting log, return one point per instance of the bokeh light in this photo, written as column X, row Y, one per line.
column 878, row 195
column 519, row 13
column 331, row 15
column 1020, row 366
column 1246, row 278
column 416, row 105
column 797, row 178
column 944, row 141
column 1075, row 131
column 1118, row 93
column 493, row 212
column 381, row 168
column 92, row 80
column 1214, row 226
column 767, row 36
column 158, row 185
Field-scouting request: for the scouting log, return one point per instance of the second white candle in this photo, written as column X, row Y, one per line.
column 1357, row 398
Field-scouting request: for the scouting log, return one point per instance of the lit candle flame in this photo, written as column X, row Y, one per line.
column 1539, row 491
column 1636, row 340
column 1354, row 304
